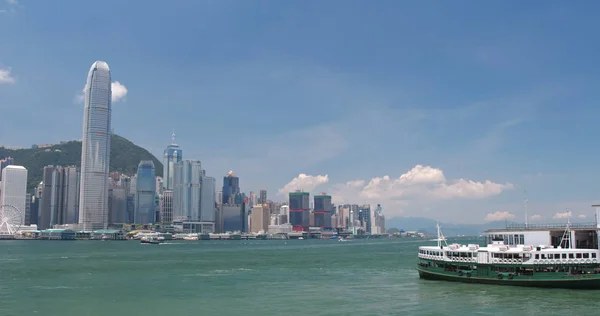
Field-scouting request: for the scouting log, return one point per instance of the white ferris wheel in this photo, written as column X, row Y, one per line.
column 11, row 219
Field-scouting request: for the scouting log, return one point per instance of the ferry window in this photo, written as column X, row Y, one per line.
column 578, row 256
column 571, row 256
column 557, row 256
column 521, row 239
column 586, row 255
column 564, row 256
column 593, row 255
column 537, row 255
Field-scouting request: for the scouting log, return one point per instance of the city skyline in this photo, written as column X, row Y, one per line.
column 412, row 110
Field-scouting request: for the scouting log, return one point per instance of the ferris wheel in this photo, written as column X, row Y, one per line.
column 11, row 218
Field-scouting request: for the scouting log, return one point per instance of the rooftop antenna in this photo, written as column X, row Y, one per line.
column 526, row 202
column 173, row 137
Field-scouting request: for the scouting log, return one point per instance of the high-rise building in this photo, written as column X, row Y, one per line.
column 299, row 210
column 207, row 199
column 159, row 185
column 378, row 221
column 364, row 216
column 322, row 211
column 60, row 196
column 252, row 199
column 145, row 211
column 231, row 189
column 234, row 218
column 263, row 197
column 5, row 162
column 95, row 149
column 173, row 155
column 14, row 189
column 166, row 207
column 117, row 205
column 260, row 219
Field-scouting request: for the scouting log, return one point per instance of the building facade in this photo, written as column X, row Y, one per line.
column 5, row 162
column 299, row 208
column 172, row 155
column 231, row 189
column 60, row 196
column 14, row 189
column 322, row 211
column 95, row 150
column 263, row 197
column 166, row 207
column 208, row 199
column 261, row 219
column 145, row 211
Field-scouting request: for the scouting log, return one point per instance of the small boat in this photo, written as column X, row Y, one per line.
column 300, row 238
column 342, row 239
column 150, row 240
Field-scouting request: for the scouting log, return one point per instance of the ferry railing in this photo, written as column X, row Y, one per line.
column 590, row 225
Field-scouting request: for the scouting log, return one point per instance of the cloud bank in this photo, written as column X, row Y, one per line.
column 119, row 91
column 6, row 76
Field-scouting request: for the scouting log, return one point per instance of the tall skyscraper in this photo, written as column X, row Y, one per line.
column 166, row 207
column 173, row 155
column 95, row 149
column 299, row 210
column 14, row 188
column 263, row 197
column 145, row 212
column 60, row 196
column 186, row 196
column 5, row 162
column 364, row 216
column 252, row 199
column 231, row 188
column 260, row 219
column 117, row 204
column 207, row 199
column 322, row 210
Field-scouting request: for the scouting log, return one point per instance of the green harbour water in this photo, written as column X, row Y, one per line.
column 270, row 277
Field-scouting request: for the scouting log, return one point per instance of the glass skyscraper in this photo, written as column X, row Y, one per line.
column 145, row 211
column 231, row 188
column 187, row 192
column 173, row 155
column 95, row 149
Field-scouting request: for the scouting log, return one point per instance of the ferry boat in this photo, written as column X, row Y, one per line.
column 150, row 240
column 516, row 263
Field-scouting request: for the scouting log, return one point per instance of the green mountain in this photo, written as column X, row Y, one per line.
column 124, row 157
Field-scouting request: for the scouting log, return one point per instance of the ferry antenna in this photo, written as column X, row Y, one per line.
column 526, row 202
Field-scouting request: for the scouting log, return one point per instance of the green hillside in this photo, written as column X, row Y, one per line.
column 124, row 157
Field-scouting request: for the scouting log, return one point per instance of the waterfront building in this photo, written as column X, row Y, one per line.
column 231, row 189
column 5, row 162
column 145, row 211
column 234, row 217
column 378, row 221
column 207, row 199
column 299, row 210
column 60, row 196
column 166, row 207
column 14, row 188
column 33, row 211
column 159, row 185
column 95, row 149
column 117, row 205
column 187, row 198
column 172, row 155
column 260, row 219
column 322, row 211
column 284, row 214
column 364, row 216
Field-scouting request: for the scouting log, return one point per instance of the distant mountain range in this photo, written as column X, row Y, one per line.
column 124, row 157
column 429, row 226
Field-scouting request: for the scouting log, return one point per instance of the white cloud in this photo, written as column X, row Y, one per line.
column 419, row 184
column 420, row 181
column 562, row 215
column 119, row 91
column 15, row 2
column 581, row 216
column 498, row 216
column 536, row 217
column 6, row 76
column 304, row 182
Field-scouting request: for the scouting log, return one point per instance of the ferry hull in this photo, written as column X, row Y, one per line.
column 581, row 283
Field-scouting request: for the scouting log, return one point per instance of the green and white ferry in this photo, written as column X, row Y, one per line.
column 509, row 260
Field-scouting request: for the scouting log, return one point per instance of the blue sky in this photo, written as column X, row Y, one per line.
column 502, row 91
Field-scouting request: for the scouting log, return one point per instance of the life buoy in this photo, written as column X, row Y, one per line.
column 594, row 260
column 587, row 261
column 460, row 273
column 499, row 276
